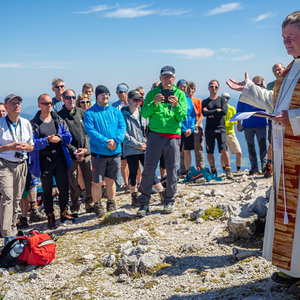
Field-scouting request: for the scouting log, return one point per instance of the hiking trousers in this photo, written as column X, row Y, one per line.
column 12, row 183
column 158, row 145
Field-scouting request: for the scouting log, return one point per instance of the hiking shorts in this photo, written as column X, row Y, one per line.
column 187, row 142
column 233, row 144
column 105, row 166
column 211, row 137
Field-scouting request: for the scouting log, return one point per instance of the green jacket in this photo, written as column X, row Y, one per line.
column 164, row 118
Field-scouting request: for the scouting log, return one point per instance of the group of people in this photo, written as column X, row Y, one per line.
column 75, row 145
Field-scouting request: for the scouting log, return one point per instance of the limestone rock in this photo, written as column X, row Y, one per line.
column 148, row 261
column 242, row 227
column 108, row 260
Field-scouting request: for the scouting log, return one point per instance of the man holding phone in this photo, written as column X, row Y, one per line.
column 166, row 108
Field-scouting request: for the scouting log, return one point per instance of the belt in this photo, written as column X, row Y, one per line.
column 13, row 162
column 104, row 156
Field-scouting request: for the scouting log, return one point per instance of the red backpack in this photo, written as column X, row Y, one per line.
column 40, row 249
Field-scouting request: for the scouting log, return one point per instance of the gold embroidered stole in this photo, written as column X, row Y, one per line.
column 284, row 233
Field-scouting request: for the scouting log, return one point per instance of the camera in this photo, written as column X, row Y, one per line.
column 19, row 155
column 167, row 93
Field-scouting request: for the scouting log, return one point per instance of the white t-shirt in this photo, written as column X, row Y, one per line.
column 21, row 133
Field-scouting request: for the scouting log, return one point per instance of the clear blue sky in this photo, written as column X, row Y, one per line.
column 107, row 42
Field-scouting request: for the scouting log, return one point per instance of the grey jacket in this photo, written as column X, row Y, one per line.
column 135, row 133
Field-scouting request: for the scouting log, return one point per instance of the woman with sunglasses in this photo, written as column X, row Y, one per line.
column 134, row 144
column 83, row 102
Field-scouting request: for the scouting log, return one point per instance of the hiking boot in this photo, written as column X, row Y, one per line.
column 22, row 223
column 66, row 217
column 89, row 207
column 99, row 210
column 75, row 214
column 268, row 170
column 168, row 208
column 51, row 221
column 36, row 216
column 162, row 196
column 134, row 199
column 228, row 173
column 143, row 211
column 111, row 205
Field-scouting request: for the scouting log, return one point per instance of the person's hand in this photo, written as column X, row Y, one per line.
column 54, row 139
column 111, row 144
column 159, row 98
column 14, row 146
column 143, row 147
column 237, row 86
column 219, row 109
column 79, row 154
column 282, row 118
column 26, row 147
column 239, row 127
column 188, row 133
column 173, row 100
column 205, row 109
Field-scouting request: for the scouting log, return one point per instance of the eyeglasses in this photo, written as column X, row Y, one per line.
column 84, row 102
column 46, row 103
column 69, row 97
column 59, row 86
column 213, row 87
column 138, row 99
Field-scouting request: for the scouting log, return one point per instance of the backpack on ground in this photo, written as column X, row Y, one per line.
column 33, row 249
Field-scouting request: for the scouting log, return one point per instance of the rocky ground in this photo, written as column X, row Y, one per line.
column 185, row 255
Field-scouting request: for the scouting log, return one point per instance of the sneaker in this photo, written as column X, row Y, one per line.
column 111, row 205
column 253, row 172
column 143, row 211
column 51, row 221
column 99, row 210
column 36, row 216
column 66, row 217
column 168, row 208
column 89, row 208
column 134, row 199
column 162, row 196
column 23, row 223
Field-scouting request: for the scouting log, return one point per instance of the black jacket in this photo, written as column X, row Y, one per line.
column 74, row 120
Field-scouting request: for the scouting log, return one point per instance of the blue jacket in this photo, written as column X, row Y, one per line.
column 42, row 143
column 190, row 121
column 103, row 123
column 252, row 122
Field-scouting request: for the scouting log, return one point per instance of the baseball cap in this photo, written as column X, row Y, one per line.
column 11, row 97
column 122, row 87
column 134, row 95
column 101, row 89
column 226, row 95
column 167, row 70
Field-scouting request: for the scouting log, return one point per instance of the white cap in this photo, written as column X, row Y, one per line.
column 226, row 95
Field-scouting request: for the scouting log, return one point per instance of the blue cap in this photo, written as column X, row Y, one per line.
column 181, row 82
column 122, row 87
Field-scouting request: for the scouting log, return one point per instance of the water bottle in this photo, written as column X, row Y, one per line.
column 16, row 250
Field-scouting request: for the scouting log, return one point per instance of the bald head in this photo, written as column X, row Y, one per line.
column 277, row 70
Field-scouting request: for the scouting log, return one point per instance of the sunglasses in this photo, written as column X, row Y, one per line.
column 122, row 92
column 84, row 102
column 46, row 103
column 59, row 86
column 138, row 99
column 15, row 102
column 69, row 97
column 213, row 87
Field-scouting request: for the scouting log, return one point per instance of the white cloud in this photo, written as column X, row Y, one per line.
column 51, row 65
column 135, row 12
column 95, row 9
column 243, row 57
column 224, row 8
column 262, row 17
column 10, row 65
column 189, row 53
column 230, row 50
column 173, row 12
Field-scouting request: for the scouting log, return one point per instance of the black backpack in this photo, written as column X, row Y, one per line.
column 6, row 258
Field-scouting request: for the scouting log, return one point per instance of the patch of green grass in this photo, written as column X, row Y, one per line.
column 212, row 213
column 111, row 220
column 159, row 267
column 202, row 289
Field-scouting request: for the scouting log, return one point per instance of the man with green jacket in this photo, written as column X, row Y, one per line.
column 165, row 107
